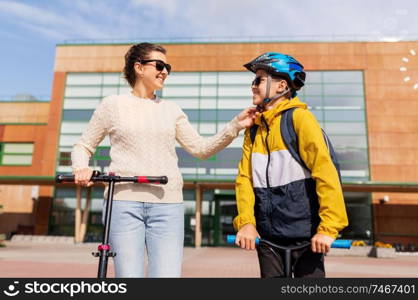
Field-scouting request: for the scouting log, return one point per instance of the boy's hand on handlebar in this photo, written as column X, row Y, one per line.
column 82, row 177
column 321, row 243
column 246, row 237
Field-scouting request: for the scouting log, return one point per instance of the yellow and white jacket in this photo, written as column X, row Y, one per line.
column 286, row 200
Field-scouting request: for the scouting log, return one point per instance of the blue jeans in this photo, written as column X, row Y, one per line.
column 157, row 228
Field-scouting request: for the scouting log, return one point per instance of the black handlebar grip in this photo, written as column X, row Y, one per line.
column 64, row 178
column 152, row 179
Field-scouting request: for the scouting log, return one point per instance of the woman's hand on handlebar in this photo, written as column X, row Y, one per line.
column 246, row 237
column 82, row 177
column 321, row 243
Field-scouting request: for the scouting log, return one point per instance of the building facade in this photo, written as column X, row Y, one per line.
column 364, row 95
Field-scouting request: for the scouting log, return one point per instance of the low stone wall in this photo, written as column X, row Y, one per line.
column 42, row 239
column 364, row 251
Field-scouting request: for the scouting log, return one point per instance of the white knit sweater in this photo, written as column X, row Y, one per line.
column 142, row 134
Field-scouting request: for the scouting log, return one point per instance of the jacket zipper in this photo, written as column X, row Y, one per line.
column 263, row 120
column 268, row 202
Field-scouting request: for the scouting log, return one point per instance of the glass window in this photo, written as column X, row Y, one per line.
column 84, row 79
column 314, row 89
column 338, row 100
column 234, row 91
column 211, row 99
column 182, row 91
column 343, row 77
column 17, row 159
column 112, row 78
column 83, row 91
column 183, row 78
column 110, row 90
column 73, row 127
column 347, row 141
column 77, row 115
column 209, row 78
column 333, row 128
column 16, row 154
column 344, row 115
column 18, row 148
column 81, row 103
column 313, row 77
column 343, row 89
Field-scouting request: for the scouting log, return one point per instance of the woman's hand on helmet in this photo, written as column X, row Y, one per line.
column 246, row 117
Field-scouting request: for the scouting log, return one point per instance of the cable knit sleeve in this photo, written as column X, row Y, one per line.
column 199, row 146
column 95, row 132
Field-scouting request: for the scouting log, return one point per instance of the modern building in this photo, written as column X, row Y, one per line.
column 365, row 95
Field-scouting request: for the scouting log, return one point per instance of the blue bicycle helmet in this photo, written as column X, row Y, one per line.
column 277, row 64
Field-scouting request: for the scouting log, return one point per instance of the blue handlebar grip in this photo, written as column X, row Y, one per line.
column 230, row 239
column 341, row 244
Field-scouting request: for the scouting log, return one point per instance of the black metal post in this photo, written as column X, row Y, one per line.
column 288, row 263
column 105, row 248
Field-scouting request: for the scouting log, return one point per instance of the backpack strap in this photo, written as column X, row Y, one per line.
column 289, row 135
column 253, row 132
column 290, row 139
column 332, row 153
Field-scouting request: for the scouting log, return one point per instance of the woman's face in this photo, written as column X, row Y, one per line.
column 148, row 72
column 259, row 85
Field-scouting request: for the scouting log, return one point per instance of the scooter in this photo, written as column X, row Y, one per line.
column 104, row 251
column 288, row 250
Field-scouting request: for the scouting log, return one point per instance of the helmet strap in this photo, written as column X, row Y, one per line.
column 267, row 99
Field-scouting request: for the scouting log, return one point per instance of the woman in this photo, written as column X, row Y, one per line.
column 143, row 130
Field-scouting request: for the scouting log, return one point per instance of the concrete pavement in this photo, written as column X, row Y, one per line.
column 60, row 260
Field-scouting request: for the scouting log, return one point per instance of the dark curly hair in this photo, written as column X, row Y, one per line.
column 136, row 53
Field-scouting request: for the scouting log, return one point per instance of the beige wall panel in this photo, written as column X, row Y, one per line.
column 397, row 198
column 394, row 173
column 12, row 112
column 389, row 140
column 20, row 133
column 381, row 91
column 16, row 199
column 392, row 62
column 26, row 133
column 393, row 107
column 312, row 55
column 392, row 124
column 383, row 48
column 92, row 51
column 388, row 77
column 392, row 218
column 395, row 156
column 54, row 122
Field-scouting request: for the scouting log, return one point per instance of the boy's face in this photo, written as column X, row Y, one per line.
column 259, row 85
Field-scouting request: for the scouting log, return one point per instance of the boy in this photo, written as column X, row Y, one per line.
column 278, row 198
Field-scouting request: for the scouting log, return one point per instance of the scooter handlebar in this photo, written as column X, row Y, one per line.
column 346, row 244
column 97, row 177
column 64, row 178
column 152, row 179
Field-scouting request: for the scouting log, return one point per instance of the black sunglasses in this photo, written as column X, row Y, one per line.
column 159, row 64
column 256, row 81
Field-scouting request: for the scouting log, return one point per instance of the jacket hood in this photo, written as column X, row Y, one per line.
column 269, row 115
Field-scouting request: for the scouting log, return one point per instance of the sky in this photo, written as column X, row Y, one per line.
column 30, row 30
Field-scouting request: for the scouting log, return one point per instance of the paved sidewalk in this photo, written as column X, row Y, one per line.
column 22, row 260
